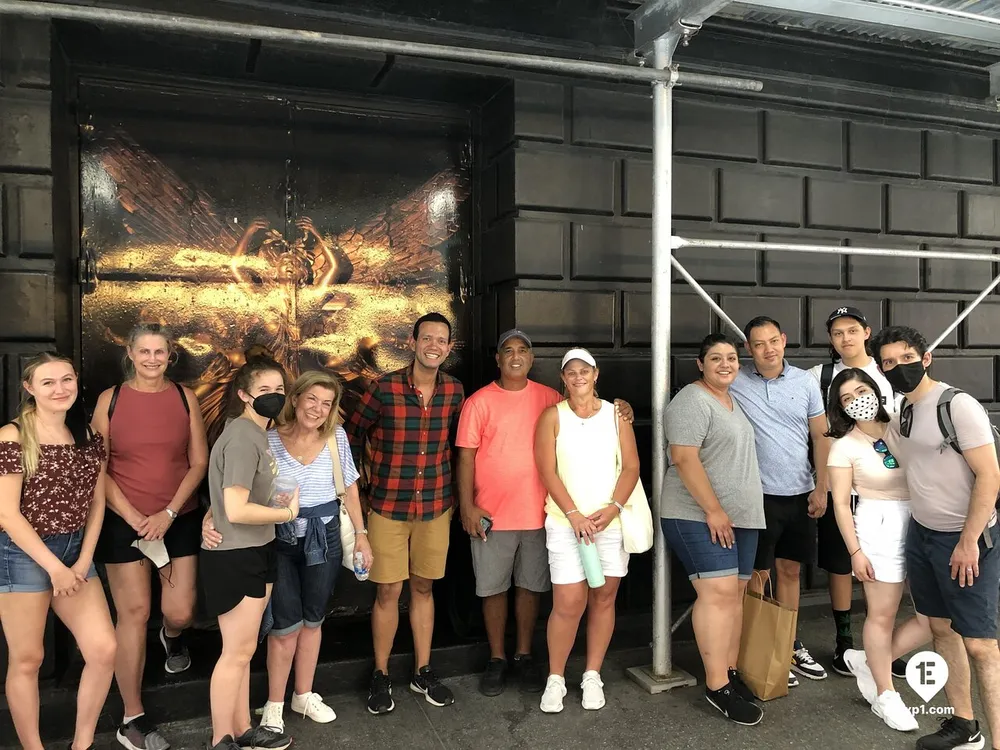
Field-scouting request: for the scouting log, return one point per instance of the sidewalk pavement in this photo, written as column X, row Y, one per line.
column 825, row 714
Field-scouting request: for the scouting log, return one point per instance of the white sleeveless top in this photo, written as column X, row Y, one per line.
column 586, row 460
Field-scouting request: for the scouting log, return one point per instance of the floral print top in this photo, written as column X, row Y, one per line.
column 57, row 498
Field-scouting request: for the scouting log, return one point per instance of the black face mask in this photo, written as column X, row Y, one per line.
column 906, row 378
column 269, row 404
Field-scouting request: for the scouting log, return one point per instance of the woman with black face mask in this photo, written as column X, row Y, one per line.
column 237, row 575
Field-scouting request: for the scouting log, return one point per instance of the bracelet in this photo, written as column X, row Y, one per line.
column 291, row 516
column 856, row 552
column 571, row 512
column 621, row 508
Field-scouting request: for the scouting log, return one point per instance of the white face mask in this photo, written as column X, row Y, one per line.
column 863, row 408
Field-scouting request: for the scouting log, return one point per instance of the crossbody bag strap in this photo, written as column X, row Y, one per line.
column 338, row 470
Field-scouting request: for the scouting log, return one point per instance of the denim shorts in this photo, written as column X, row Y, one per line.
column 20, row 574
column 302, row 592
column 971, row 609
column 692, row 542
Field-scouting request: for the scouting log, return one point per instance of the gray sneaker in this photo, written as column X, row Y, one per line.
column 141, row 734
column 178, row 659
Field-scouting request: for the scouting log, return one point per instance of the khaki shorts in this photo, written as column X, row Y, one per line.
column 408, row 548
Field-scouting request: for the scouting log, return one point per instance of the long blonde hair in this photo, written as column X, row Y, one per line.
column 306, row 381
column 30, row 447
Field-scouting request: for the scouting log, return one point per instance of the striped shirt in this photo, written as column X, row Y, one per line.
column 410, row 444
column 315, row 480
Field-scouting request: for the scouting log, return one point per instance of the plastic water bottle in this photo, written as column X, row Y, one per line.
column 591, row 564
column 360, row 571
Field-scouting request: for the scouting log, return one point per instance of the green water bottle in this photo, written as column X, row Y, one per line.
column 591, row 564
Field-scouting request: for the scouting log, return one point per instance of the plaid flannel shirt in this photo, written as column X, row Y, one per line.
column 411, row 444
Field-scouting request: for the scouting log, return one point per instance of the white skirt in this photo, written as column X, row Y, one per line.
column 565, row 565
column 881, row 527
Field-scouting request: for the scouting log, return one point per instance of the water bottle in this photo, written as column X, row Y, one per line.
column 591, row 564
column 360, row 571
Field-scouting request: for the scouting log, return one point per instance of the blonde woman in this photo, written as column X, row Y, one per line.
column 51, row 509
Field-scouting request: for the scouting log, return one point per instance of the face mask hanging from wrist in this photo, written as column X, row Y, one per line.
column 863, row 408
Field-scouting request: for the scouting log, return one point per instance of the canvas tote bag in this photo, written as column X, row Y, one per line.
column 637, row 520
column 766, row 644
column 346, row 527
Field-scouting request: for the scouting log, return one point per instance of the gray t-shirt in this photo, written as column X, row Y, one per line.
column 727, row 451
column 241, row 458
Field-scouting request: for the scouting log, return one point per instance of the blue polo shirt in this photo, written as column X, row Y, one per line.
column 779, row 410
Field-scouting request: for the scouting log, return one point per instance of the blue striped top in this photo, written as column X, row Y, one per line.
column 316, row 479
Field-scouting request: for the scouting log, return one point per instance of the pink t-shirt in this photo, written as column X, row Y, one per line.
column 501, row 425
column 872, row 479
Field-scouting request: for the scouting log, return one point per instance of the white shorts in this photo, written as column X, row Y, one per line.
column 565, row 565
column 881, row 528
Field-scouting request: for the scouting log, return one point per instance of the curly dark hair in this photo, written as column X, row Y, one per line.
column 895, row 335
column 840, row 423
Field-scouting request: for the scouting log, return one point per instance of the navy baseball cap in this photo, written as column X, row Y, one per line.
column 846, row 312
column 513, row 333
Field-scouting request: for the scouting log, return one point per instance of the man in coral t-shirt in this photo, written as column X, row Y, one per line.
column 498, row 481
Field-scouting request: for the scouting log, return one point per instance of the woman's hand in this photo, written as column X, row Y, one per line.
column 362, row 545
column 155, row 526
column 862, row 567
column 293, row 504
column 65, row 581
column 721, row 528
column 80, row 569
column 605, row 516
column 136, row 520
column 210, row 538
column 583, row 527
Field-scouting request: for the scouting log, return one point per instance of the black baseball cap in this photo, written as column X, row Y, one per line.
column 511, row 334
column 846, row 312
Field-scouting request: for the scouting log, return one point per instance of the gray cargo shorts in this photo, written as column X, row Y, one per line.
column 504, row 555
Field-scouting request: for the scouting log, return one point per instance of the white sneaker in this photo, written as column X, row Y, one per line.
column 311, row 706
column 272, row 718
column 857, row 662
column 593, row 690
column 793, row 681
column 889, row 707
column 552, row 698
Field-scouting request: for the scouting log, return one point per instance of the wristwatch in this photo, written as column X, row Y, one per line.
column 361, row 531
column 172, row 513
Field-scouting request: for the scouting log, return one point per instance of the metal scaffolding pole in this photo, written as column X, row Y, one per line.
column 964, row 314
column 219, row 28
column 693, row 283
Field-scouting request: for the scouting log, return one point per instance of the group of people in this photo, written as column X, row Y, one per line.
column 122, row 489
column 892, row 474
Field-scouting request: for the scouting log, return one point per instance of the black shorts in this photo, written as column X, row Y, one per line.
column 226, row 576
column 114, row 546
column 832, row 554
column 790, row 532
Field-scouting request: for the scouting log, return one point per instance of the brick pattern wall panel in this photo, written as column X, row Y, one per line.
column 26, row 212
column 975, row 375
column 931, row 318
column 800, row 140
column 693, row 190
column 821, row 307
column 25, row 131
column 604, row 117
column 610, row 251
column 564, row 181
column 690, row 319
column 760, row 198
column 884, row 149
column 880, row 272
column 538, row 111
column 922, row 211
column 958, row 157
column 716, row 265
column 560, row 317
column 537, row 250
column 787, row 311
column 30, row 296
column 683, row 371
column 982, row 216
column 982, row 327
column 712, row 130
column 628, row 378
column 957, row 276
column 801, row 269
column 835, row 204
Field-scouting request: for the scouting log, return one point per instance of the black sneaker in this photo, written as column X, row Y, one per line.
column 426, row 682
column 178, row 659
column 141, row 734
column 954, row 733
column 494, row 679
column 899, row 669
column 739, row 687
column 733, row 707
column 263, row 738
column 380, row 694
column 226, row 743
column 529, row 673
column 839, row 665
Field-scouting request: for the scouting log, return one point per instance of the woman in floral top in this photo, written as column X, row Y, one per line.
column 51, row 509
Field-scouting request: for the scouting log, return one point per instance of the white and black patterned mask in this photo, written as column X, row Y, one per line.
column 863, row 408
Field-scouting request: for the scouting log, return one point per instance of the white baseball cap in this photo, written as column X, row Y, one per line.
column 581, row 354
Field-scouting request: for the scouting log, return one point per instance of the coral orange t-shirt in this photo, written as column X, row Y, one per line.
column 501, row 425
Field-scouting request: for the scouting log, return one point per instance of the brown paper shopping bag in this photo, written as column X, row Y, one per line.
column 766, row 644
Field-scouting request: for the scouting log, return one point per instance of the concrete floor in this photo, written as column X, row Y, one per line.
column 826, row 714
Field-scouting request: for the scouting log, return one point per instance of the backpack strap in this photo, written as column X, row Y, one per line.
column 825, row 379
column 114, row 400
column 945, row 423
column 184, row 399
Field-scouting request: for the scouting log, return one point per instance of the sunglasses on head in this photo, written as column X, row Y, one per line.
column 888, row 460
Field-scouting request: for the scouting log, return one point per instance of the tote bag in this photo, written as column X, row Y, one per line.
column 636, row 518
column 766, row 644
column 346, row 527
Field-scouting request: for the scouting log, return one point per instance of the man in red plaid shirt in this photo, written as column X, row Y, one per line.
column 409, row 416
